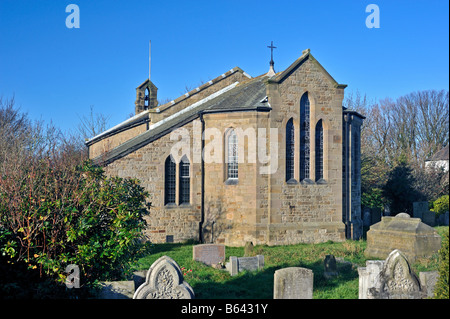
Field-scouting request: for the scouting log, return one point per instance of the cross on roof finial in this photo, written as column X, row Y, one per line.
column 271, row 53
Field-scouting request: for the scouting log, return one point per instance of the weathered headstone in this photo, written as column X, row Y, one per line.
column 164, row 280
column 209, row 254
column 330, row 266
column 411, row 236
column 116, row 290
column 396, row 280
column 419, row 208
column 238, row 264
column 293, row 283
column 368, row 277
column 428, row 280
column 248, row 249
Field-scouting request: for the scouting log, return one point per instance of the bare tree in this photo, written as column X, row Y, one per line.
column 93, row 124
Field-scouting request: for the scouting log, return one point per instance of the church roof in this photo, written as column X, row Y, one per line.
column 245, row 96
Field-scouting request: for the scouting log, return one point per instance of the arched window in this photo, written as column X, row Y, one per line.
column 170, row 169
column 185, row 181
column 304, row 137
column 319, row 150
column 232, row 155
column 290, row 149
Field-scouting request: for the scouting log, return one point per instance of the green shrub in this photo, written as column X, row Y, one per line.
column 55, row 215
column 440, row 205
column 441, row 289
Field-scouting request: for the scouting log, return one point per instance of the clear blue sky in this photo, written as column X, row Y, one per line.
column 56, row 73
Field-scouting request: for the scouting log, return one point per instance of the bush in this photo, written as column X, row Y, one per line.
column 441, row 289
column 440, row 206
column 53, row 214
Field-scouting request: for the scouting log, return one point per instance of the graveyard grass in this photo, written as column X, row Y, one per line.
column 210, row 283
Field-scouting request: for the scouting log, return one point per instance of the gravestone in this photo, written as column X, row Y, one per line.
column 446, row 218
column 428, row 280
column 209, row 254
column 419, row 208
column 116, row 290
column 375, row 215
column 368, row 277
column 396, row 280
column 330, row 266
column 248, row 249
column 411, row 236
column 429, row 218
column 238, row 264
column 164, row 280
column 367, row 221
column 293, row 283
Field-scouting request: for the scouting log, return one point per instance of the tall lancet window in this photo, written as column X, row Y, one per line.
column 319, row 150
column 290, row 150
column 185, row 181
column 232, row 154
column 170, row 169
column 304, row 137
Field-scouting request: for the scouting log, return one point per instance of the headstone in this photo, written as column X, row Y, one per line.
column 419, row 208
column 368, row 277
column 367, row 217
column 293, row 283
column 446, row 219
column 375, row 215
column 396, row 280
column 330, row 266
column 238, row 264
column 428, row 280
column 116, row 290
column 164, row 280
column 248, row 249
column 414, row 238
column 429, row 218
column 209, row 254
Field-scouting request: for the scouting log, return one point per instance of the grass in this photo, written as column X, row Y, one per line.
column 210, row 283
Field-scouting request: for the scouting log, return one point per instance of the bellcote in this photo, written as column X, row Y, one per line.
column 146, row 96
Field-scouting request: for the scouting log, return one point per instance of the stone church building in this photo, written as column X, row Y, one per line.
column 272, row 159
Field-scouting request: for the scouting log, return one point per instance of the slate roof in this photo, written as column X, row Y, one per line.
column 245, row 96
column 440, row 155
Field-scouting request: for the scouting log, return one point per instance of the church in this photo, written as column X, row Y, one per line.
column 272, row 159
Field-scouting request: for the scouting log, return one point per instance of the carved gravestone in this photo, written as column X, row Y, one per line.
column 164, row 280
column 396, row 280
column 209, row 254
column 293, row 283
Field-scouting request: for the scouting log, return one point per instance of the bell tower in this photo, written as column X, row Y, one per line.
column 146, row 93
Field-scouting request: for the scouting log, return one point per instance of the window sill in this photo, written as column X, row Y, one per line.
column 232, row 181
column 292, row 181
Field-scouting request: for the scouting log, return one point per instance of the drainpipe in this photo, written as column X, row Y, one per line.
column 202, row 205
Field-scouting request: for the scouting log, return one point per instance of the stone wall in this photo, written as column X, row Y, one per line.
column 308, row 211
